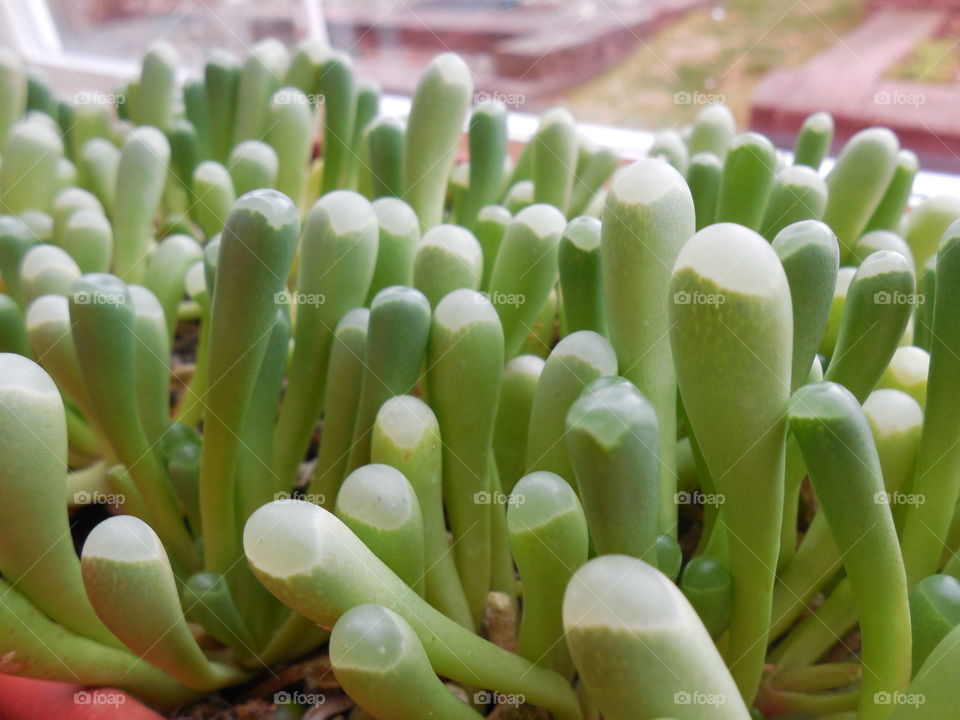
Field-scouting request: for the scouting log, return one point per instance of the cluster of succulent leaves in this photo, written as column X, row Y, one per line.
column 528, row 374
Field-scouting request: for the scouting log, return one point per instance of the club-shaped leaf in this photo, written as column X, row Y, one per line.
column 406, row 435
column 158, row 79
column 464, row 361
column 517, row 390
column 46, row 270
column 925, row 225
column 580, row 276
column 747, row 178
column 131, row 585
column 889, row 211
column 380, row 506
column 876, row 311
column 934, row 612
column 28, row 173
column 594, row 168
column 141, row 175
column 258, row 79
column 399, row 235
column 798, row 194
column 396, row 347
column 525, row 271
column 36, row 551
column 448, row 257
column 290, row 133
column 488, row 148
column 253, row 164
column 88, row 238
column 706, row 583
column 857, row 183
column 712, row 131
column 548, row 539
column 810, row 256
column 647, row 217
column 554, row 158
column 640, row 648
column 256, row 251
column 380, row 662
column 437, row 114
column 97, row 166
column 612, row 436
column 841, row 457
column 573, row 365
column 214, row 193
column 166, row 274
column 385, row 143
column 732, row 339
column 221, row 77
column 813, row 140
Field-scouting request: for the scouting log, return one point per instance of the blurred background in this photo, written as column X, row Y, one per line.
column 634, row 64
